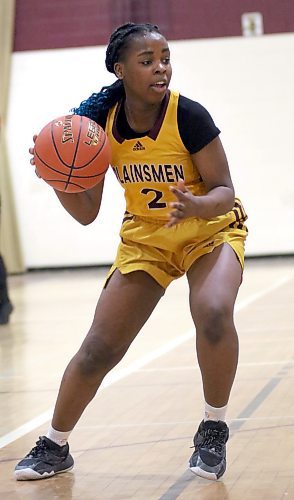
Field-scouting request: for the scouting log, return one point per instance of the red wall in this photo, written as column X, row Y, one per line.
column 76, row 23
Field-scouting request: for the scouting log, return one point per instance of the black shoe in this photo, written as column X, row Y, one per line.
column 209, row 457
column 5, row 311
column 44, row 460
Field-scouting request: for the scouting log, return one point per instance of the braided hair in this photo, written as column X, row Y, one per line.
column 111, row 94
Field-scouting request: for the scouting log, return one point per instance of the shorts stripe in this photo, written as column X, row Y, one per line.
column 240, row 217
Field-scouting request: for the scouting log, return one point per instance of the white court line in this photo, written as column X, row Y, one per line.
column 267, row 341
column 178, row 422
column 115, row 376
column 268, row 329
column 194, row 367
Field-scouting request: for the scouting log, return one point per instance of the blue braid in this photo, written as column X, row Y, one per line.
column 100, row 102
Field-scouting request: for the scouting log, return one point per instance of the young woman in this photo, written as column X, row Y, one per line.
column 182, row 217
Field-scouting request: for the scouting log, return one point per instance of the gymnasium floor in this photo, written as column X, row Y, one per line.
column 133, row 441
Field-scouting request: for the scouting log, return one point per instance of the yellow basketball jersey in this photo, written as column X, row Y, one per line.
column 146, row 167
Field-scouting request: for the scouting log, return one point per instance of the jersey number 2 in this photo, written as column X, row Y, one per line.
column 154, row 203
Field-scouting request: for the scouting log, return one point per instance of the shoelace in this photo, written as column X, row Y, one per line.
column 41, row 446
column 213, row 438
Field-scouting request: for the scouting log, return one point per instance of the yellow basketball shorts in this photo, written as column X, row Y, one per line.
column 167, row 253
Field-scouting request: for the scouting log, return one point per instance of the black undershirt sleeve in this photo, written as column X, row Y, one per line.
column 196, row 127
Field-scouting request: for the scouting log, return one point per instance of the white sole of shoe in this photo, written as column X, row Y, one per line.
column 202, row 473
column 31, row 475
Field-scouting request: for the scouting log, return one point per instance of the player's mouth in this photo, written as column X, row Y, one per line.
column 160, row 86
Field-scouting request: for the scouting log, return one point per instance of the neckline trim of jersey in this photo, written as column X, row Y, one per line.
column 153, row 133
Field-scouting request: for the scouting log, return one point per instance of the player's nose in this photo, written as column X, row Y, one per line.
column 160, row 67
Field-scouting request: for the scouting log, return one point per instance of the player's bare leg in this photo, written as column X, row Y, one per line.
column 123, row 308
column 214, row 281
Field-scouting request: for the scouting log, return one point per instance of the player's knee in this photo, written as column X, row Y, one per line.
column 96, row 357
column 216, row 322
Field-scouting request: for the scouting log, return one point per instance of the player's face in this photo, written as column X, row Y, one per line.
column 146, row 70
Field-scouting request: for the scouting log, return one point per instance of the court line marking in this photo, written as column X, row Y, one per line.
column 176, row 489
column 268, row 330
column 181, row 422
column 263, row 341
column 115, row 376
column 194, row 367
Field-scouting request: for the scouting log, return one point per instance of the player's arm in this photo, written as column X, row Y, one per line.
column 212, row 165
column 83, row 206
column 213, row 168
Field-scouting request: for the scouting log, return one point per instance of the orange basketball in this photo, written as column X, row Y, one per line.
column 72, row 153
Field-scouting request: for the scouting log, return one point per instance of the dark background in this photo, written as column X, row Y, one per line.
column 78, row 23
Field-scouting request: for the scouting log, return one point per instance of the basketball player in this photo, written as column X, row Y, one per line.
column 182, row 218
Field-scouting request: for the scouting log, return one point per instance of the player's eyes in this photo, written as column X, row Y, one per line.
column 147, row 62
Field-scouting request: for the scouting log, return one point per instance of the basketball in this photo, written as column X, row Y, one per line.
column 72, row 153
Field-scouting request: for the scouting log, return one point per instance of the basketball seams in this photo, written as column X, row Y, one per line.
column 80, row 186
column 75, row 152
column 58, row 167
column 49, row 166
column 55, row 147
column 97, row 153
column 74, row 168
column 78, row 142
column 66, row 174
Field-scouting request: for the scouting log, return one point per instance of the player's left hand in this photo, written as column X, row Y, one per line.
column 185, row 206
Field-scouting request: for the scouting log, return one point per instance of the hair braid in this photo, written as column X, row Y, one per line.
column 110, row 95
column 119, row 39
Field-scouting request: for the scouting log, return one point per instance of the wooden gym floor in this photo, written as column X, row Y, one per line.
column 133, row 441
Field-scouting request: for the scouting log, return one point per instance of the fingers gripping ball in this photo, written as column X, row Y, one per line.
column 72, row 153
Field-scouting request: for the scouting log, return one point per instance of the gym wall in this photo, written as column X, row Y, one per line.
column 245, row 82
